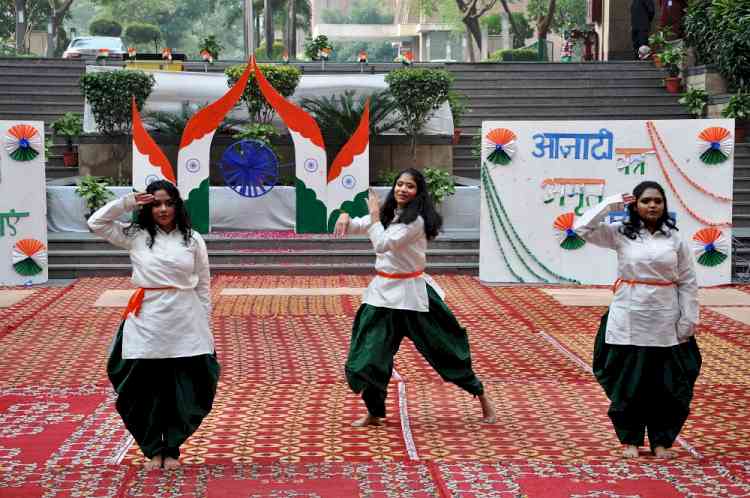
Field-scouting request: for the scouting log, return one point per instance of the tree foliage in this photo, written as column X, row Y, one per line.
column 568, row 14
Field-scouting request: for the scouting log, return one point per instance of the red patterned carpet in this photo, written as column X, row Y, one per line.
column 280, row 424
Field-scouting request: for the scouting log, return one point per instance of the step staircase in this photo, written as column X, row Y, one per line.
column 73, row 255
column 44, row 89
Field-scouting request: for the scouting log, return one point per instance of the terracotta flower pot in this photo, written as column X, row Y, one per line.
column 70, row 158
column 456, row 135
column 674, row 85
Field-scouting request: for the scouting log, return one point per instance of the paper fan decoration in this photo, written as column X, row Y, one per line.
column 501, row 143
column 29, row 257
column 711, row 247
column 715, row 145
column 568, row 238
column 22, row 142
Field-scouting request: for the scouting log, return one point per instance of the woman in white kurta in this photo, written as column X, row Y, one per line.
column 402, row 301
column 646, row 357
column 162, row 364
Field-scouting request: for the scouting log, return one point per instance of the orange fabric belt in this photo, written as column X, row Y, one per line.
column 413, row 274
column 136, row 300
column 658, row 283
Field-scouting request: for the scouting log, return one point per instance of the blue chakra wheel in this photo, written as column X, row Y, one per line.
column 250, row 168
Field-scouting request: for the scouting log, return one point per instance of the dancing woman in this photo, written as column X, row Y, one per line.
column 645, row 356
column 162, row 364
column 402, row 301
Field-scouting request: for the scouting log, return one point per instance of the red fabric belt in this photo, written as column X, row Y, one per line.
column 136, row 300
column 413, row 274
column 658, row 283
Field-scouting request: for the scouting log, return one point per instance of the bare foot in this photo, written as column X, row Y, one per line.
column 369, row 420
column 662, row 452
column 171, row 463
column 488, row 410
column 629, row 451
column 154, row 463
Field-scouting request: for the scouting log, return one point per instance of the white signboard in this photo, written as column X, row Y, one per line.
column 539, row 176
column 23, row 210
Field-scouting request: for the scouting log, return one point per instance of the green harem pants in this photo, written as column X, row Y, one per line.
column 650, row 387
column 376, row 336
column 162, row 400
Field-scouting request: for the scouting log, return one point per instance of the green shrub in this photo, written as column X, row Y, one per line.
column 110, row 93
column 212, row 46
column 457, row 102
column 257, row 131
column 277, row 52
column 695, row 100
column 314, row 46
column 283, row 78
column 731, row 23
column 142, row 34
column 418, row 93
column 514, row 54
column 93, row 192
column 698, row 31
column 738, row 107
column 105, row 27
column 439, row 184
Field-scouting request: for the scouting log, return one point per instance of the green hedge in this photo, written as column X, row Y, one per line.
column 283, row 78
column 105, row 27
column 515, row 54
column 109, row 94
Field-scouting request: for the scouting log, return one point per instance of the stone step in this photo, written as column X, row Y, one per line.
column 56, row 171
column 88, row 270
column 562, row 85
column 548, row 92
column 479, row 104
column 41, row 98
column 458, row 67
column 740, row 208
column 34, row 115
column 243, row 257
column 240, row 241
column 49, row 107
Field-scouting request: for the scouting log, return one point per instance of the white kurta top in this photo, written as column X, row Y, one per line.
column 646, row 315
column 171, row 323
column 400, row 249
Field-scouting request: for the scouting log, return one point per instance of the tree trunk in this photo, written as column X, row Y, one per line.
column 293, row 29
column 21, row 22
column 473, row 31
column 53, row 25
column 513, row 26
column 542, row 26
column 268, row 24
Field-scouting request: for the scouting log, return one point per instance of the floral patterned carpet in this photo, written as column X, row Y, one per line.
column 281, row 421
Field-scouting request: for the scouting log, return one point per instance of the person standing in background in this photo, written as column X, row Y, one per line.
column 641, row 15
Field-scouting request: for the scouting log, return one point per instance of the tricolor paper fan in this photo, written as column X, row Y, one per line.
column 501, row 143
column 568, row 238
column 711, row 247
column 22, row 142
column 29, row 257
column 715, row 145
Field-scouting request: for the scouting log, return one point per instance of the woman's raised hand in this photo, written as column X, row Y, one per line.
column 628, row 198
column 373, row 205
column 142, row 198
column 342, row 225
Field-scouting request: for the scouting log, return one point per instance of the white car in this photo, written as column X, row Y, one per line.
column 89, row 46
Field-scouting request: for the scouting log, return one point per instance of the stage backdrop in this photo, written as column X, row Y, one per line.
column 23, row 217
column 538, row 177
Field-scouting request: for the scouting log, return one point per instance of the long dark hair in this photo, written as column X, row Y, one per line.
column 421, row 205
column 144, row 219
column 634, row 223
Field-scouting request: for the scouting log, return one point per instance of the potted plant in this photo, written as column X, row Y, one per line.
column 439, row 184
column 657, row 41
column 695, row 100
column 69, row 125
column 211, row 47
column 458, row 106
column 93, row 192
column 672, row 58
column 315, row 46
column 738, row 108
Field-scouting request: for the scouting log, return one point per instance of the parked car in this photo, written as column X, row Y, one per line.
column 89, row 46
